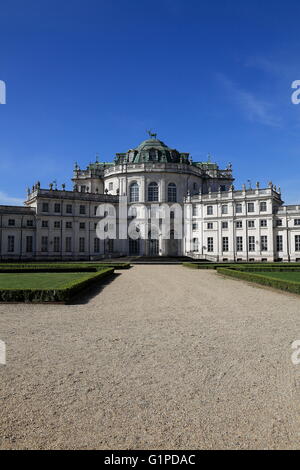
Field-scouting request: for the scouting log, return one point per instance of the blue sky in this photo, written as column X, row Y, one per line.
column 87, row 77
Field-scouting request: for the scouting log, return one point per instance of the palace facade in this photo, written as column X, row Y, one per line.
column 220, row 223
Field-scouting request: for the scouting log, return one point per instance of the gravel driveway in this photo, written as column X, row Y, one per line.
column 163, row 357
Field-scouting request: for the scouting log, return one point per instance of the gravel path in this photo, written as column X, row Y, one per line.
column 163, row 357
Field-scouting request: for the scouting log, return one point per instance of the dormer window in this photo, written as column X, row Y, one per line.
column 152, row 154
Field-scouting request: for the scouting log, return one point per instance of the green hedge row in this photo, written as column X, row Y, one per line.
column 60, row 267
column 38, row 269
column 63, row 295
column 289, row 286
column 262, row 266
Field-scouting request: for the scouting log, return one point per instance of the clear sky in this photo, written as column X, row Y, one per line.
column 90, row 76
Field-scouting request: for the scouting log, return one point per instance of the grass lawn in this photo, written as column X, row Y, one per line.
column 40, row 280
column 285, row 276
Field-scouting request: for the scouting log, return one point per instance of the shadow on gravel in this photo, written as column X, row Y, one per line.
column 85, row 296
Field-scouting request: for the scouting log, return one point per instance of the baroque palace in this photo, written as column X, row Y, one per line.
column 224, row 224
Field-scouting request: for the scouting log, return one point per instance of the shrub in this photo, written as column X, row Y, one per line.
column 62, row 295
column 290, row 286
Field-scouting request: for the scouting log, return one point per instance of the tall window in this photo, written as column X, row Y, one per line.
column 29, row 244
column 45, row 207
column 96, row 245
column 68, row 244
column 44, row 244
column 134, row 192
column 250, row 206
column 238, row 208
column 152, row 154
column 69, row 208
column 297, row 242
column 210, row 244
column 264, row 243
column 279, row 243
column 224, row 209
column 56, row 207
column 251, row 243
column 209, row 210
column 56, row 244
column 195, row 211
column 239, row 243
column 172, row 192
column 81, row 244
column 153, row 192
column 11, row 243
column 195, row 244
column 263, row 206
column 81, row 209
column 225, row 244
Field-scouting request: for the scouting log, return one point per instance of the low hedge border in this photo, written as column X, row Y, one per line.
column 289, row 286
column 261, row 266
column 63, row 295
column 60, row 267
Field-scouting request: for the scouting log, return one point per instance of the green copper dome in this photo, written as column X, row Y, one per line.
column 151, row 151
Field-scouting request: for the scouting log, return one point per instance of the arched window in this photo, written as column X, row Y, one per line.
column 153, row 192
column 152, row 154
column 134, row 192
column 172, row 192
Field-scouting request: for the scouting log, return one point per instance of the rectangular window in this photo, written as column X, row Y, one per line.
column 195, row 211
column 69, row 244
column 11, row 222
column 296, row 221
column 195, row 244
column 110, row 244
column 224, row 209
column 238, row 208
column 239, row 243
column 45, row 207
column 263, row 223
column 82, row 225
column 195, row 226
column 210, row 225
column 57, row 224
column 45, row 223
column 29, row 223
column 111, row 186
column 44, row 244
column 209, row 210
column 69, row 209
column 279, row 242
column 239, row 224
column 68, row 224
column 29, row 244
column 82, row 245
column 56, row 244
column 264, row 243
column 263, row 206
column 83, row 189
column 225, row 244
column 250, row 206
column 82, row 210
column 224, row 225
column 96, row 245
column 279, row 222
column 210, row 244
column 251, row 223
column 10, row 243
column 57, row 207
column 251, row 243
column 297, row 242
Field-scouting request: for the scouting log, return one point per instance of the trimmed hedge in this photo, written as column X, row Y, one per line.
column 262, row 266
column 63, row 295
column 289, row 286
column 60, row 267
